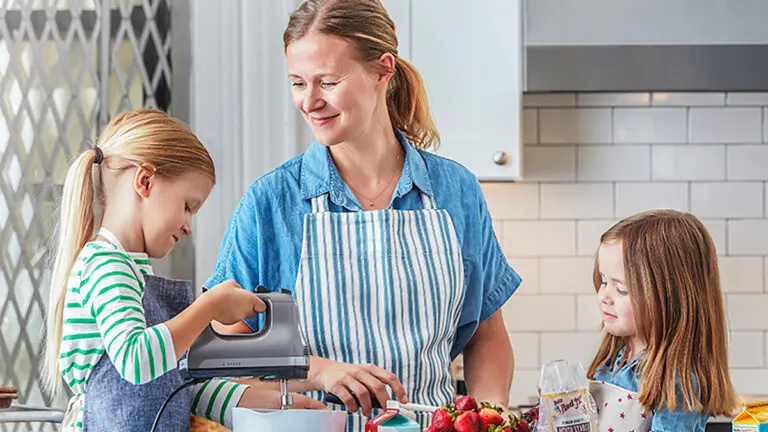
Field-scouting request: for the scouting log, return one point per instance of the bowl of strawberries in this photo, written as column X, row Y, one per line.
column 467, row 415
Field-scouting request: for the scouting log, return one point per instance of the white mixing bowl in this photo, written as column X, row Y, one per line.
column 251, row 420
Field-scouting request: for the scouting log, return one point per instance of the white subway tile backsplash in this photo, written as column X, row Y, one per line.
column 741, row 274
column 575, row 126
column 727, row 200
column 533, row 100
column 747, row 99
column 540, row 313
column 524, row 387
column 539, row 238
column 571, row 275
column 526, row 348
column 748, row 237
column 649, row 125
column 498, row 230
column 528, row 269
column 633, row 198
column 574, row 347
column 530, row 126
column 588, row 316
column 725, row 125
column 747, row 311
column 512, row 200
column 688, row 162
column 717, row 230
column 688, row 99
column 745, row 349
column 613, row 99
column 750, row 381
column 576, row 201
column 588, row 235
column 695, row 152
column 543, row 164
column 614, row 163
column 748, row 162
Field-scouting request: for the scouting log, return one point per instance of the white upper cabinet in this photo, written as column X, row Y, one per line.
column 470, row 57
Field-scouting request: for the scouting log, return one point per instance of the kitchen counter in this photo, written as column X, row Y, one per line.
column 26, row 414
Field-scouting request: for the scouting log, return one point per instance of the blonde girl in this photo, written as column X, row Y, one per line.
column 145, row 179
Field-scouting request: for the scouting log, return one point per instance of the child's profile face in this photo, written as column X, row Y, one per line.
column 613, row 297
column 168, row 210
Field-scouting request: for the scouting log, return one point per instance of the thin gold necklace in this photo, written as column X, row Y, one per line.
column 371, row 200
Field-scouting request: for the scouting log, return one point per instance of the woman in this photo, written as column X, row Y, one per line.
column 389, row 250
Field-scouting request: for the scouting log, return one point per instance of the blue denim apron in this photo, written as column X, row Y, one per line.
column 113, row 404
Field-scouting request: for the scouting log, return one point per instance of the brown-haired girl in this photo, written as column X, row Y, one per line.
column 665, row 339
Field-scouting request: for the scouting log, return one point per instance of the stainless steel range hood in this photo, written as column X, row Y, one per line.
column 646, row 45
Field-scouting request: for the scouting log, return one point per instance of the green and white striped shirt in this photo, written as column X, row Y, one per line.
column 104, row 314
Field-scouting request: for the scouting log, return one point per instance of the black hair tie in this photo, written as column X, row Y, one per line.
column 99, row 155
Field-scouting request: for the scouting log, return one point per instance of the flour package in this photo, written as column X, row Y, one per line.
column 566, row 404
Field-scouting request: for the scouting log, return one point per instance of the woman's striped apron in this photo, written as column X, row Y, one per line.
column 384, row 287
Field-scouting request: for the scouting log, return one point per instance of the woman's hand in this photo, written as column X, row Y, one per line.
column 266, row 397
column 365, row 381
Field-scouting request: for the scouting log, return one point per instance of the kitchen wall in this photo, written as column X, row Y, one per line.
column 591, row 159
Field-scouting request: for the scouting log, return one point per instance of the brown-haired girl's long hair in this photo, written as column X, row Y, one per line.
column 671, row 271
column 131, row 139
column 367, row 25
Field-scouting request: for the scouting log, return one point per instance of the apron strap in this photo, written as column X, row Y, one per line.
column 428, row 201
column 320, row 203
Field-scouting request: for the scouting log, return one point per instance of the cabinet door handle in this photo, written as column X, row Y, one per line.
column 500, row 158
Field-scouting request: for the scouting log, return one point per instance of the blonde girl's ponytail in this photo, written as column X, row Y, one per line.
column 75, row 229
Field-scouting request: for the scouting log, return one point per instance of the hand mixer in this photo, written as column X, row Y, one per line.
column 276, row 352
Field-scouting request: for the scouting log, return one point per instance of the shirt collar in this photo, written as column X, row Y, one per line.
column 319, row 174
column 630, row 362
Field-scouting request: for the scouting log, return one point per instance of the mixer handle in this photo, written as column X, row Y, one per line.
column 266, row 296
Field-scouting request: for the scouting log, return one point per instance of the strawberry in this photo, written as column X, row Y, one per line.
column 490, row 415
column 442, row 421
column 466, row 403
column 467, row 422
column 522, row 426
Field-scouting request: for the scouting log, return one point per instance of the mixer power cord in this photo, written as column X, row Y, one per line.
column 168, row 399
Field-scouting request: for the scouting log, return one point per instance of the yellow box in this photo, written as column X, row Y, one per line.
column 754, row 418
